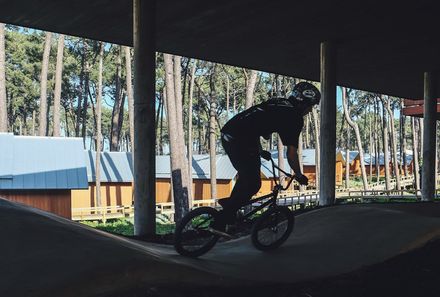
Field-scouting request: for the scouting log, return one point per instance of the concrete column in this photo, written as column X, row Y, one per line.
column 429, row 138
column 328, row 124
column 144, row 43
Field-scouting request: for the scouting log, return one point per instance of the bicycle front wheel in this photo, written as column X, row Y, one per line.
column 273, row 228
column 194, row 235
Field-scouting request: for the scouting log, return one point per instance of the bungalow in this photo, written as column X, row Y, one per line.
column 42, row 171
column 117, row 179
column 309, row 169
column 354, row 162
column 381, row 160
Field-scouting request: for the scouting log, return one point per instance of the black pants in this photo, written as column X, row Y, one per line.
column 245, row 157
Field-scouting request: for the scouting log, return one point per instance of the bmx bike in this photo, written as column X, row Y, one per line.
column 201, row 228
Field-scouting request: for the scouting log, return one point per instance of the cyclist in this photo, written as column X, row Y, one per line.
column 241, row 140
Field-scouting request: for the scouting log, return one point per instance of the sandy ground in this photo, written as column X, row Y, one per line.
column 44, row 255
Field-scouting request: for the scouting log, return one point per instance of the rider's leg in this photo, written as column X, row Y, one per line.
column 246, row 160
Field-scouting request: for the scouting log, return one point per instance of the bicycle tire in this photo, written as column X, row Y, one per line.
column 191, row 243
column 268, row 224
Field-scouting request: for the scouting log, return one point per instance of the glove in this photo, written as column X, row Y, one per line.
column 302, row 179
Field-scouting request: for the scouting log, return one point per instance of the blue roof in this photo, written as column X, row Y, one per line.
column 382, row 159
column 200, row 167
column 308, row 159
column 29, row 162
column 115, row 166
column 351, row 155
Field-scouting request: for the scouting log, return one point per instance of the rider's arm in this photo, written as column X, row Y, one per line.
column 292, row 157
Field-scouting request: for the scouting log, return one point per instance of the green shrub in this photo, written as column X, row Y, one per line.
column 126, row 226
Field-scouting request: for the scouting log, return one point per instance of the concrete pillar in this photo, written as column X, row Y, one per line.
column 429, row 137
column 328, row 124
column 144, row 43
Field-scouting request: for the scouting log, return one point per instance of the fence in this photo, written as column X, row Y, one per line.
column 292, row 198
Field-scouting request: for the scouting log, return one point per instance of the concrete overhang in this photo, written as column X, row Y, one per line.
column 383, row 46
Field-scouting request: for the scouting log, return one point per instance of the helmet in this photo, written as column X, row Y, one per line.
column 305, row 93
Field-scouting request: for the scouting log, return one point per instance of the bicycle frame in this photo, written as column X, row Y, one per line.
column 274, row 194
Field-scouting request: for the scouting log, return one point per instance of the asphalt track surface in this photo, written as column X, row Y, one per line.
column 45, row 255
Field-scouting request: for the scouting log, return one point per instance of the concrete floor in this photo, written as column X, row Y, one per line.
column 44, row 255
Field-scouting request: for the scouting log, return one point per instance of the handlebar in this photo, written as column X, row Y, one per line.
column 268, row 157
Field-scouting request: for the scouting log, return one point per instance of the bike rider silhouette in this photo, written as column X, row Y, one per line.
column 241, row 140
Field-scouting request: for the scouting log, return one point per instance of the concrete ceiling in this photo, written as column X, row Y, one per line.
column 383, row 46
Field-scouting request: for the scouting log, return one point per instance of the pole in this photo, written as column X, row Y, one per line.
column 144, row 14
column 328, row 124
column 429, row 138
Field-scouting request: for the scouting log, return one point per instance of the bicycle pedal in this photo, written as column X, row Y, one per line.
column 220, row 233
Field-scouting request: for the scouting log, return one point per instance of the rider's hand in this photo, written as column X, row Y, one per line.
column 302, row 179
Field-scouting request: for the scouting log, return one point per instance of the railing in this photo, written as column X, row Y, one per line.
column 299, row 201
column 102, row 213
column 292, row 198
column 122, row 211
column 364, row 196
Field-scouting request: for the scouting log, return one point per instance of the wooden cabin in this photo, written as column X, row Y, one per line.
column 116, row 181
column 354, row 162
column 381, row 160
column 201, row 186
column 414, row 108
column 42, row 172
column 309, row 170
column 117, row 178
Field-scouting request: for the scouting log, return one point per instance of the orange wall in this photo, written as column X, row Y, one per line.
column 121, row 193
column 112, row 194
column 54, row 201
column 309, row 171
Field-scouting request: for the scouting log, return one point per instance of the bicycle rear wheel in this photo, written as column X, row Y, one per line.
column 273, row 228
column 194, row 234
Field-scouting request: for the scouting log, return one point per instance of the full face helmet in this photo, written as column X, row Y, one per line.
column 305, row 93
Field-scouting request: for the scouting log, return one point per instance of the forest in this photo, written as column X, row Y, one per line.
column 56, row 85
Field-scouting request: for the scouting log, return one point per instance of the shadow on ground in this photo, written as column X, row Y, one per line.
column 348, row 250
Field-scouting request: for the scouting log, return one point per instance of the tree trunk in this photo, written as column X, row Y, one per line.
column 376, row 139
column 317, row 146
column 393, row 144
column 212, row 136
column 43, row 86
column 250, row 88
column 129, row 95
column 358, row 137
column 58, row 80
column 98, row 128
column 371, row 144
column 300, row 158
column 347, row 160
column 415, row 154
column 180, row 193
column 3, row 101
column 179, row 117
column 403, row 139
column 227, row 96
column 420, row 138
column 118, row 105
column 385, row 146
column 307, row 136
column 161, row 126
column 33, row 122
column 199, row 124
column 190, row 119
column 85, row 106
